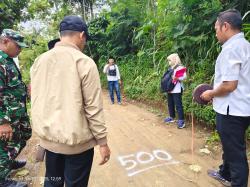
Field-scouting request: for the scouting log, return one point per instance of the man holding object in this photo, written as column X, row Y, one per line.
column 231, row 99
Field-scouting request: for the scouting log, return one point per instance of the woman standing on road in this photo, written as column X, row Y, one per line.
column 174, row 97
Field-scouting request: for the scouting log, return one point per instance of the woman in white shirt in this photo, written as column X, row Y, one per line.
column 174, row 97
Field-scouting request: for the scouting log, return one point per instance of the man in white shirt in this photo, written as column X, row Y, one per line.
column 113, row 76
column 231, row 98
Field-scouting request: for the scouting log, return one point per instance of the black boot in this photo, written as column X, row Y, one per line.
column 12, row 183
column 17, row 164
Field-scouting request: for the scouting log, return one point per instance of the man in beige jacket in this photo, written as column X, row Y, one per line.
column 66, row 110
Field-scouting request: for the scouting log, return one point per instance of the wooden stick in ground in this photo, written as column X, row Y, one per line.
column 192, row 143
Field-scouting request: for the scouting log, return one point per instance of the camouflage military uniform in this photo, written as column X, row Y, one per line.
column 13, row 111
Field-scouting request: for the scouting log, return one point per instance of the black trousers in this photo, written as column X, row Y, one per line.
column 74, row 170
column 232, row 131
column 175, row 100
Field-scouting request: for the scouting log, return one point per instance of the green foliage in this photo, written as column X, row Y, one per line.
column 10, row 12
column 128, row 36
column 39, row 8
column 133, row 92
column 140, row 35
column 248, row 133
column 214, row 137
column 28, row 55
column 140, row 40
column 246, row 29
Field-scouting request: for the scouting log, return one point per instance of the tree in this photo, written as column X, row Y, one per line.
column 242, row 5
column 87, row 7
column 10, row 12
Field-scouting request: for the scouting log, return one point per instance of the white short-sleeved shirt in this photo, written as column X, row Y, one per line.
column 112, row 78
column 233, row 63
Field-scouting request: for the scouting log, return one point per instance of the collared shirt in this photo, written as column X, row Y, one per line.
column 233, row 63
column 112, row 78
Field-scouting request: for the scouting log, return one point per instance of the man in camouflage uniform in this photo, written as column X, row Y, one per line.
column 15, row 127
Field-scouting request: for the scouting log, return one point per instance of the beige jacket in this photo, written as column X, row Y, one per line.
column 66, row 101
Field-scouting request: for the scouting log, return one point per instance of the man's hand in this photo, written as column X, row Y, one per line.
column 120, row 82
column 6, row 132
column 105, row 154
column 207, row 95
column 225, row 88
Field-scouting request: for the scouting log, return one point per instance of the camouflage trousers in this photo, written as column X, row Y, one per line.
column 9, row 150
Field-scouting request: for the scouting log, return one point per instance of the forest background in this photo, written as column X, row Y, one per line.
column 139, row 34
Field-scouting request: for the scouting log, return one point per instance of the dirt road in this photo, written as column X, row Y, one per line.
column 146, row 152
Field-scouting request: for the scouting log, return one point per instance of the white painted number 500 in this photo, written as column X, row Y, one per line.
column 145, row 161
column 124, row 162
column 143, row 158
column 162, row 155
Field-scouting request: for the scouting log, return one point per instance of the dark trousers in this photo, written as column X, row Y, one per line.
column 232, row 131
column 114, row 85
column 175, row 100
column 73, row 169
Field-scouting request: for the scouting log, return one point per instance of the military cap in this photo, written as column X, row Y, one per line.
column 14, row 35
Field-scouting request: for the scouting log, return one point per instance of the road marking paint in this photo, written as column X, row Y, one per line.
column 131, row 161
column 151, row 167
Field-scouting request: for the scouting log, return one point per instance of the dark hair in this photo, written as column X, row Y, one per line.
column 231, row 16
column 68, row 33
column 52, row 43
column 109, row 59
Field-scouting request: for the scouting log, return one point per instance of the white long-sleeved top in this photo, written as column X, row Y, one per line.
column 112, row 78
column 179, row 84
